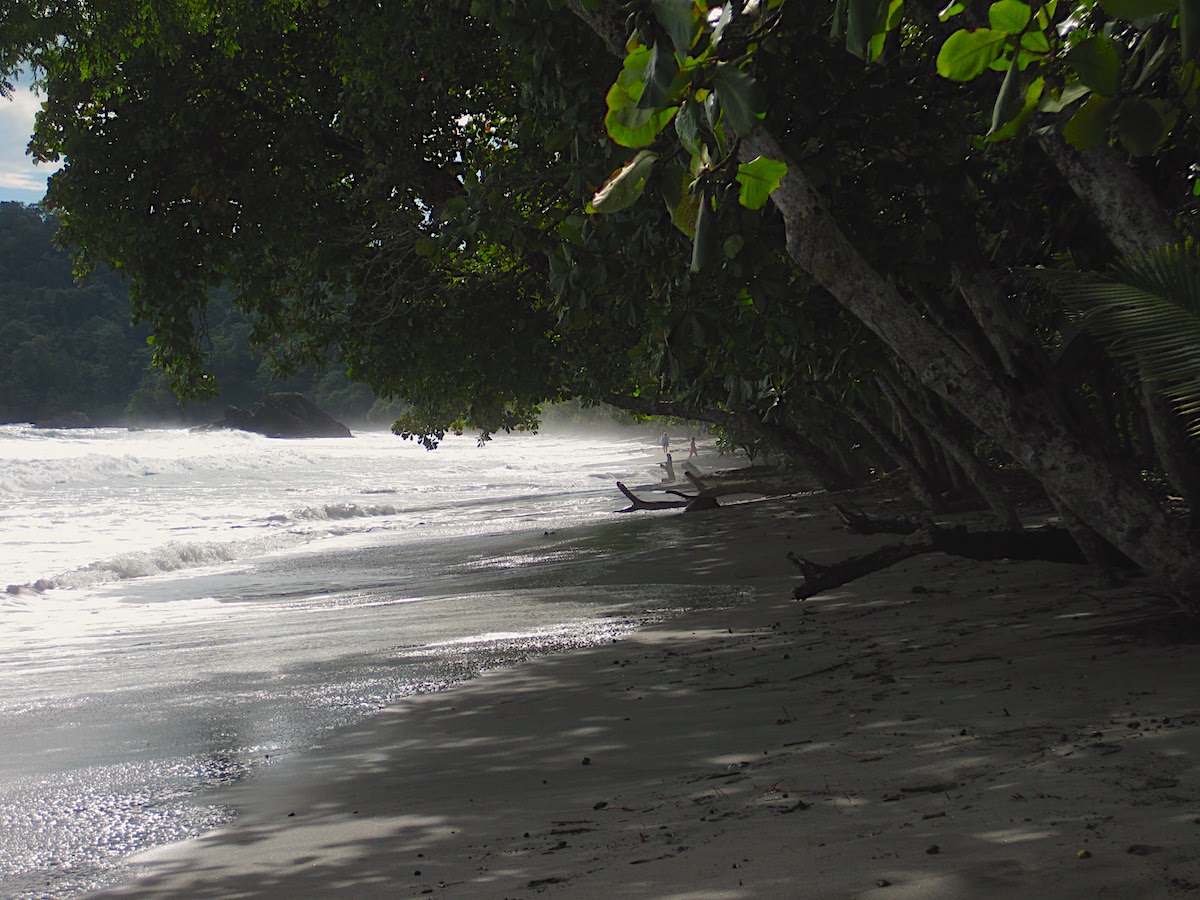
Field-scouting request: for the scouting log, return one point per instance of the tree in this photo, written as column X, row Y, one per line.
column 1022, row 415
column 424, row 213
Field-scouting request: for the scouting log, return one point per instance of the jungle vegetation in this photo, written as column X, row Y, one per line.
column 72, row 353
column 832, row 224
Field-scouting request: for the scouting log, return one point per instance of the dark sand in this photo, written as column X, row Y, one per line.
column 944, row 729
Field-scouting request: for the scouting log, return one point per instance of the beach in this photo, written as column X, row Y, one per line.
column 942, row 729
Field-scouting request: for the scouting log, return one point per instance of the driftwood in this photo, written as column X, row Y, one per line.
column 637, row 502
column 705, row 498
column 1045, row 543
column 706, row 492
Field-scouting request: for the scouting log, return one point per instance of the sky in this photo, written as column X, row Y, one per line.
column 20, row 179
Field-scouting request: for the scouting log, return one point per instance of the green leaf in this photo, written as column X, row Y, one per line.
column 837, row 32
column 758, row 179
column 1076, row 90
column 685, row 210
column 625, row 185
column 1098, row 63
column 570, row 229
column 1035, row 41
column 424, row 247
column 723, row 20
column 1032, row 95
column 862, row 19
column 741, row 97
column 892, row 19
column 1009, row 16
column 733, row 245
column 557, row 140
column 1089, row 126
column 1137, row 9
column 631, row 81
column 967, row 54
column 681, row 21
column 705, row 241
column 1140, row 127
column 626, row 123
column 951, row 10
column 1189, row 29
column 1009, row 102
column 660, row 72
column 1165, row 49
column 635, row 128
column 687, row 126
column 1147, row 314
column 1189, row 83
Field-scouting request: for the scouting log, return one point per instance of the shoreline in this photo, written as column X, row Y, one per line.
column 944, row 728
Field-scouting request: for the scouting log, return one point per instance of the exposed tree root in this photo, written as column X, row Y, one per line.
column 858, row 522
column 1044, row 543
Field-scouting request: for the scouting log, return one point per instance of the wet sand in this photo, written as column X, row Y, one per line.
column 943, row 729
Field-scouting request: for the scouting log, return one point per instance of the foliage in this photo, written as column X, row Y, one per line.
column 1146, row 312
column 479, row 233
column 1123, row 70
column 71, row 347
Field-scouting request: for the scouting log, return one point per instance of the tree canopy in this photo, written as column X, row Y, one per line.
column 818, row 223
column 71, row 349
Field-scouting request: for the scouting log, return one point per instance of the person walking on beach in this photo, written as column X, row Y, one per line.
column 692, row 451
column 666, row 442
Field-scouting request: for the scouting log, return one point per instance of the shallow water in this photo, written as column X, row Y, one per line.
column 175, row 654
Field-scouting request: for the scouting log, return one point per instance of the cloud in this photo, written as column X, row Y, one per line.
column 20, row 178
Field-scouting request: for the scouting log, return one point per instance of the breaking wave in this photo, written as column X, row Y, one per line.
column 170, row 557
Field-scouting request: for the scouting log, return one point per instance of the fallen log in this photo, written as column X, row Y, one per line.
column 1046, row 543
column 703, row 500
column 637, row 502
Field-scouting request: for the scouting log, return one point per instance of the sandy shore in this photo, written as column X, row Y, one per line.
column 945, row 729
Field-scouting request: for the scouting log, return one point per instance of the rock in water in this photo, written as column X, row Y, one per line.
column 285, row 415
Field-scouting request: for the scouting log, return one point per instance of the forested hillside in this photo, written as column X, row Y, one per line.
column 71, row 347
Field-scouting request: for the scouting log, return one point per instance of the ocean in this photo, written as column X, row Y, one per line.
column 180, row 610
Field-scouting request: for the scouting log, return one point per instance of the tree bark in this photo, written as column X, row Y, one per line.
column 1124, row 205
column 1049, row 544
column 937, row 424
column 1021, row 416
column 827, row 473
column 924, row 488
column 1135, row 222
column 858, row 522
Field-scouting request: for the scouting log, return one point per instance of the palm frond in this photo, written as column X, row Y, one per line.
column 1147, row 315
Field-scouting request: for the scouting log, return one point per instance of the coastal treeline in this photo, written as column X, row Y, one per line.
column 948, row 239
column 72, row 354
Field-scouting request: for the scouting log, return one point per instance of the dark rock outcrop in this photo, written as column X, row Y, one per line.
column 284, row 415
column 66, row 420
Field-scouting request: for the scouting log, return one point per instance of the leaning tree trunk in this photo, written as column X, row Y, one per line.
column 825, row 471
column 937, row 423
column 1135, row 222
column 918, row 435
column 1021, row 416
column 922, row 484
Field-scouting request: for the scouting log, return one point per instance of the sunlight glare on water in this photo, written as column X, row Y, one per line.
column 185, row 609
